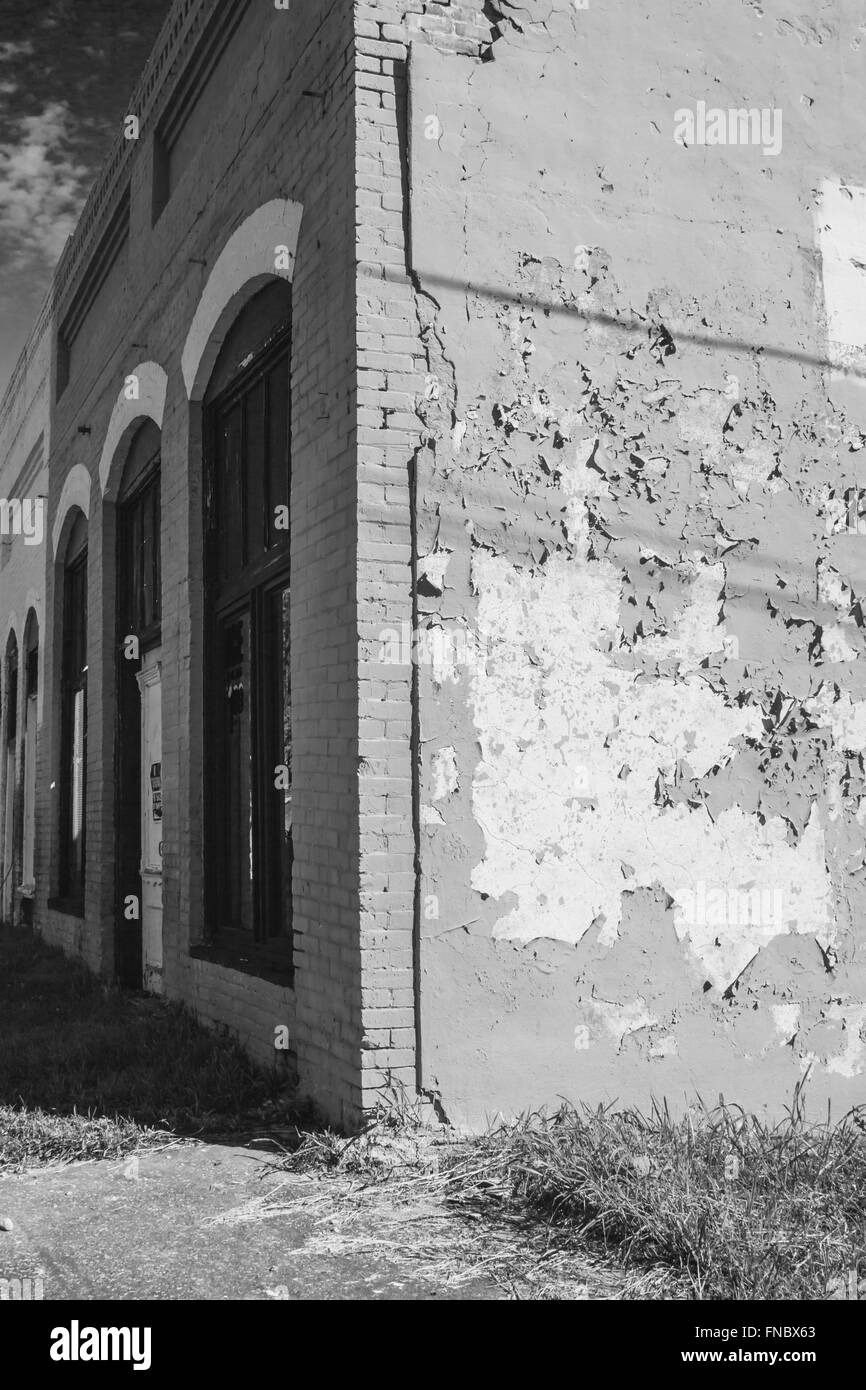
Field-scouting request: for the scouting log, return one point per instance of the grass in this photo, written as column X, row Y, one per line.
column 715, row 1205
column 718, row 1205
column 89, row 1072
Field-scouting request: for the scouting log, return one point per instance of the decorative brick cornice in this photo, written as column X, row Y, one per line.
column 175, row 43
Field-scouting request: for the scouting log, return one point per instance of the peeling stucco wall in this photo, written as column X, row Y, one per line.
column 642, row 560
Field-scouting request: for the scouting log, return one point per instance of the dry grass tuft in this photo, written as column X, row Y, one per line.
column 717, row 1204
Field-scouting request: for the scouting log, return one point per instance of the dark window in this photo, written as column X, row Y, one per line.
column 138, row 615
column 73, row 700
column 33, row 669
column 12, row 696
column 31, row 690
column 248, row 722
column 139, row 560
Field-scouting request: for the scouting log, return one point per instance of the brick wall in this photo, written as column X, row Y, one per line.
column 270, row 140
column 24, row 442
column 393, row 363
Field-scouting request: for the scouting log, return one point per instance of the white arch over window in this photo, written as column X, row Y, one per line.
column 12, row 626
column 149, row 403
column 76, row 493
column 247, row 261
column 33, row 603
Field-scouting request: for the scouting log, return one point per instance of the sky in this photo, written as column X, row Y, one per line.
column 67, row 69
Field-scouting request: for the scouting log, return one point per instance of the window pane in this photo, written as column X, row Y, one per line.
column 278, row 448
column 12, row 698
column 280, row 755
column 139, row 560
column 157, row 552
column 76, row 827
column 236, row 810
column 32, row 671
column 143, row 561
column 230, row 510
column 249, row 819
column 74, row 728
column 254, row 472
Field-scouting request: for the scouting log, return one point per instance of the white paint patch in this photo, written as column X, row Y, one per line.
column 841, row 233
column 620, row 1020
column 786, row 1020
column 445, row 654
column 701, row 417
column 433, row 567
column 832, row 587
column 745, row 855
column 549, row 698
column 697, row 632
column 835, row 645
column 850, row 1061
column 846, row 718
column 444, row 769
column 753, row 465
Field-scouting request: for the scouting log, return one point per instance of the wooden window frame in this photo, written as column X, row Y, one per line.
column 72, row 685
column 146, row 494
column 266, row 949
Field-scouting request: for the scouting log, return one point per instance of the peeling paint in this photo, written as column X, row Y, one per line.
column 650, row 493
column 445, row 781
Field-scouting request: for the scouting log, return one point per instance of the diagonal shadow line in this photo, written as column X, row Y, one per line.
column 632, row 324
column 746, row 552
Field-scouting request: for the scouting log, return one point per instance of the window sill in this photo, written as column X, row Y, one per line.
column 265, row 963
column 71, row 907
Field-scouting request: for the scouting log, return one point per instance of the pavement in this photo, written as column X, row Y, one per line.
column 222, row 1222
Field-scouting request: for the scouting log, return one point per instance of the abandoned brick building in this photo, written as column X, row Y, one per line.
column 446, row 642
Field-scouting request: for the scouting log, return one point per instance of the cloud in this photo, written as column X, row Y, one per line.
column 42, row 188
column 8, row 51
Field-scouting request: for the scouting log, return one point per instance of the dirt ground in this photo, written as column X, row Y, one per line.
column 221, row 1221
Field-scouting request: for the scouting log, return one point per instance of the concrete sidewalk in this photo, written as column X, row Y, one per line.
column 213, row 1221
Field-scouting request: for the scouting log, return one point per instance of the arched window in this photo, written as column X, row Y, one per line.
column 10, row 740
column 73, row 716
column 138, row 538
column 138, row 797
column 31, row 693
column 248, row 704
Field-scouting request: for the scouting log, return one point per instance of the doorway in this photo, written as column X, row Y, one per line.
column 138, row 763
column 31, row 694
column 11, row 762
